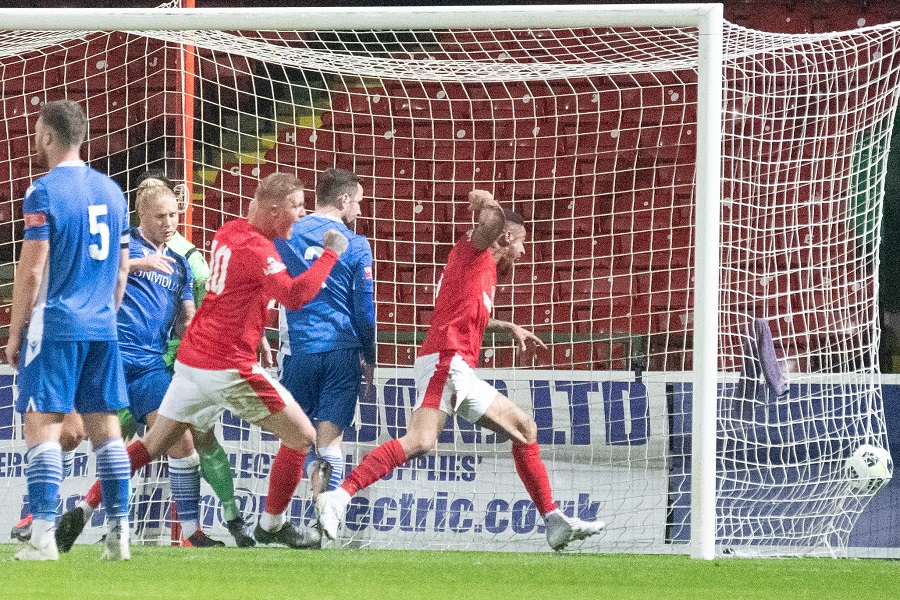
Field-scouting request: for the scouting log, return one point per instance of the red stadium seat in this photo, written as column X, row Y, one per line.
column 499, row 357
column 154, row 64
column 672, row 288
column 543, row 177
column 396, row 316
column 531, row 297
column 432, row 100
column 320, row 139
column 402, row 179
column 426, row 279
column 361, row 101
column 566, row 356
column 579, row 104
column 31, row 75
column 457, row 179
column 400, row 354
column 658, row 248
column 378, row 138
column 503, row 295
column 241, row 180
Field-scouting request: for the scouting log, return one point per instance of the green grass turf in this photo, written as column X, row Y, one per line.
column 274, row 573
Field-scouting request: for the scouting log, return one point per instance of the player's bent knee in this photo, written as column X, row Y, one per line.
column 70, row 440
column 292, row 427
column 183, row 447
column 418, row 444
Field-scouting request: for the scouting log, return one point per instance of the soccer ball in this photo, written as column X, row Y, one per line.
column 868, row 469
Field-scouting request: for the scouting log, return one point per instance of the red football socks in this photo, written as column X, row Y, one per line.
column 286, row 473
column 377, row 463
column 533, row 474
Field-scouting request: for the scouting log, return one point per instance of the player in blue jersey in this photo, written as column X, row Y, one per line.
column 328, row 346
column 62, row 337
column 214, row 463
column 158, row 303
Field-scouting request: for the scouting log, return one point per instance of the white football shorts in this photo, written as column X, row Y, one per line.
column 445, row 381
column 199, row 396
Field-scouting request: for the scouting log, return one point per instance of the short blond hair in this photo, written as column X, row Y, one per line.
column 276, row 187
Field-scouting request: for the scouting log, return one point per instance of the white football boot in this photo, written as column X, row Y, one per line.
column 562, row 529
column 330, row 509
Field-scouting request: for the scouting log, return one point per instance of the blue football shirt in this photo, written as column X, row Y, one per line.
column 342, row 315
column 84, row 216
column 153, row 302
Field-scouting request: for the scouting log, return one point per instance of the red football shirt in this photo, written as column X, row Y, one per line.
column 464, row 301
column 246, row 274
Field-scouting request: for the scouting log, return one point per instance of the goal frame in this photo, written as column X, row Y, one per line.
column 708, row 18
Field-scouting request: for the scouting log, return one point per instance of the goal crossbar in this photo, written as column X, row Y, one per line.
column 356, row 18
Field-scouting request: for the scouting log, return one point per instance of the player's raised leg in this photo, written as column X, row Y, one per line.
column 73, row 522
column 159, row 438
column 502, row 415
column 421, row 437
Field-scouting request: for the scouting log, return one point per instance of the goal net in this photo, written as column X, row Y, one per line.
column 591, row 134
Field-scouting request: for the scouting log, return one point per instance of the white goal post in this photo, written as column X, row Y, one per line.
column 681, row 176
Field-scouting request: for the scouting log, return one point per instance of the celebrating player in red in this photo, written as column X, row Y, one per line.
column 216, row 367
column 444, row 373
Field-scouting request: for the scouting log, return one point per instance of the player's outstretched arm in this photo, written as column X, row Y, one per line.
column 152, row 262
column 491, row 221
column 522, row 335
column 293, row 293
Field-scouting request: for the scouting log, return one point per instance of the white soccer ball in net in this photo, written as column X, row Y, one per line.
column 868, row 469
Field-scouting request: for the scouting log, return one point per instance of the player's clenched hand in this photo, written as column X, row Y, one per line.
column 335, row 240
column 152, row 262
column 11, row 352
column 368, row 377
column 478, row 199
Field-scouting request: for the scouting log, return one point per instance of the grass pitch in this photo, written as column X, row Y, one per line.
column 274, row 573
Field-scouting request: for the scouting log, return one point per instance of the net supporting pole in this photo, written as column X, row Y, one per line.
column 706, row 279
column 187, row 126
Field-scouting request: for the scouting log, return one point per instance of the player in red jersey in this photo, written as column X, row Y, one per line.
column 216, row 367
column 444, row 373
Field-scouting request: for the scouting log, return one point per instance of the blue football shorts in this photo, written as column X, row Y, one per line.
column 147, row 387
column 62, row 376
column 325, row 384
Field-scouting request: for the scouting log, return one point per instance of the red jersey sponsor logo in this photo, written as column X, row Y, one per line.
column 35, row 219
column 274, row 266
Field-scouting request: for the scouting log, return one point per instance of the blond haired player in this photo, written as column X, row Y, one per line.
column 217, row 366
